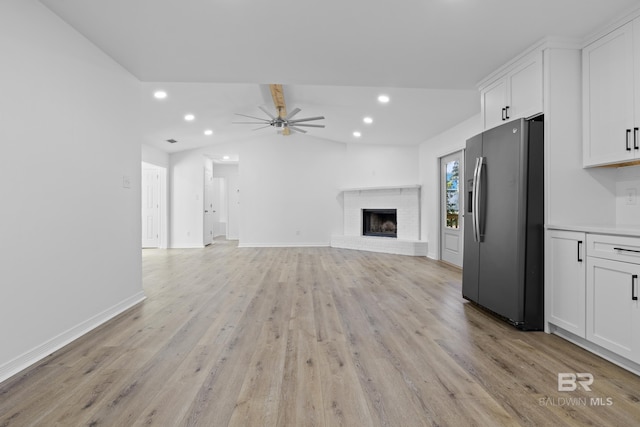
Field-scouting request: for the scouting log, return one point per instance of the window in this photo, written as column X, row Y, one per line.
column 452, row 194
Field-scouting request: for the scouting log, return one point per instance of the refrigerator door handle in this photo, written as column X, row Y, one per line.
column 475, row 201
column 481, row 162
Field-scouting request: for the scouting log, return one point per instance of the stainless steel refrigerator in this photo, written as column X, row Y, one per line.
column 503, row 222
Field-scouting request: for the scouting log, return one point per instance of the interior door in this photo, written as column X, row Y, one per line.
column 150, row 208
column 451, row 182
column 219, row 207
column 208, row 207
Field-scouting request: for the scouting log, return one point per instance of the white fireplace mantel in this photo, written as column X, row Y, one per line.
column 395, row 187
column 404, row 198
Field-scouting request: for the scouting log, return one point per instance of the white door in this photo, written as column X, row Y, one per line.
column 613, row 310
column 565, row 269
column 150, row 208
column 219, row 207
column 493, row 100
column 451, row 182
column 525, row 88
column 208, row 207
column 608, row 98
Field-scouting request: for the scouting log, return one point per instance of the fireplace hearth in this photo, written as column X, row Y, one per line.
column 380, row 222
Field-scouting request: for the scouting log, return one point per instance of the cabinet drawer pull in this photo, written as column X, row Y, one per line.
column 634, row 291
column 628, row 139
column 635, row 139
column 503, row 111
column 626, row 250
column 579, row 250
column 506, row 112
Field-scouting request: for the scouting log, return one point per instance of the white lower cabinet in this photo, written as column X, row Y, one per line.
column 592, row 290
column 565, row 268
column 613, row 312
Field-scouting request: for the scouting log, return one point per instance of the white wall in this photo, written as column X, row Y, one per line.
column 573, row 195
column 369, row 165
column 628, row 211
column 290, row 187
column 154, row 156
column 70, row 255
column 447, row 142
column 289, row 190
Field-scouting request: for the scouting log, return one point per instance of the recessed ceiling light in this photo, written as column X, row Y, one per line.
column 357, row 134
column 368, row 120
column 383, row 99
column 160, row 94
column 189, row 117
column 225, row 157
column 208, row 132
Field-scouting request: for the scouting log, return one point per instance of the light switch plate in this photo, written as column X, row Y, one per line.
column 631, row 196
column 126, row 181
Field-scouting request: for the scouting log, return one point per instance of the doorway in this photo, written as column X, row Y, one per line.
column 451, row 208
column 208, row 206
column 220, row 211
column 154, row 219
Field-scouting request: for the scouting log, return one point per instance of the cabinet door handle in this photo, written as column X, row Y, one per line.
column 506, row 112
column 635, row 139
column 634, row 293
column 626, row 250
column 628, row 139
column 503, row 111
column 579, row 250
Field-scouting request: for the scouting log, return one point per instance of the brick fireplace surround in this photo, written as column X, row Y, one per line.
column 405, row 199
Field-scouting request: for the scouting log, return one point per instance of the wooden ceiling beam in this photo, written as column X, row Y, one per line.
column 277, row 94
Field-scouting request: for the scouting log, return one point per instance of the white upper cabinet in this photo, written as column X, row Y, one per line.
column 515, row 93
column 610, row 120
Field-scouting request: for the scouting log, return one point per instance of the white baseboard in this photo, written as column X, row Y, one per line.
column 38, row 353
column 612, row 357
column 283, row 245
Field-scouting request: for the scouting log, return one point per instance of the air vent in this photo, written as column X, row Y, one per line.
column 171, row 141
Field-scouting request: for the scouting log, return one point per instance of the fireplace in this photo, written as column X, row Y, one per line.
column 380, row 222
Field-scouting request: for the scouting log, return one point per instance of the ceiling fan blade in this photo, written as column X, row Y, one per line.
column 262, row 127
column 292, row 113
column 295, row 129
column 253, row 117
column 307, row 119
column 267, row 112
column 249, row 123
column 303, row 124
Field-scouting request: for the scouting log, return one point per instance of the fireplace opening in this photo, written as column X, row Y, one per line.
column 379, row 222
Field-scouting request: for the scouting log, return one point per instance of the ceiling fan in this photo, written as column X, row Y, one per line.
column 283, row 122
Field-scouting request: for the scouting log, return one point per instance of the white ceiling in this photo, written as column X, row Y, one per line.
column 214, row 58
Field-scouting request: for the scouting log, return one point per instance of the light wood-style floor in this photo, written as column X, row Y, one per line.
column 311, row 337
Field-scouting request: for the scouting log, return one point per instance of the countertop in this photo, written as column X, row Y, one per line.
column 615, row 229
